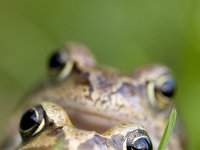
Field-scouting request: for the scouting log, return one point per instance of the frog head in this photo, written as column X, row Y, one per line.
column 47, row 126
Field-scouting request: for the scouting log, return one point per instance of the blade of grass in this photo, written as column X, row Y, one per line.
column 59, row 145
column 168, row 130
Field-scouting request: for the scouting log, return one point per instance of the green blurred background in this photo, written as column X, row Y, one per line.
column 124, row 34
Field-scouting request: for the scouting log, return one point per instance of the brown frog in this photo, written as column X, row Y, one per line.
column 97, row 98
column 47, row 126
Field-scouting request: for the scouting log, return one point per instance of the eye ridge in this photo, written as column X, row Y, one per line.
column 32, row 122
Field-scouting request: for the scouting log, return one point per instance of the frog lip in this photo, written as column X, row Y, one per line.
column 91, row 121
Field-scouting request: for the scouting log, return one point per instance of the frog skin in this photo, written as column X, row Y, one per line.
column 97, row 98
column 49, row 127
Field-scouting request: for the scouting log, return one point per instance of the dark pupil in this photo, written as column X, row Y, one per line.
column 29, row 120
column 56, row 61
column 168, row 88
column 140, row 144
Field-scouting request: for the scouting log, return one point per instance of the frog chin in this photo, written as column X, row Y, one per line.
column 90, row 121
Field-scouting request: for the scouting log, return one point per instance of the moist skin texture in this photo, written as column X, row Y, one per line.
column 59, row 133
column 97, row 98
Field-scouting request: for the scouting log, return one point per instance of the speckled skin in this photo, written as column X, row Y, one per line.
column 97, row 98
column 61, row 134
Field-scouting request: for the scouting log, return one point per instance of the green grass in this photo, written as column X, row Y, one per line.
column 168, row 130
column 59, row 145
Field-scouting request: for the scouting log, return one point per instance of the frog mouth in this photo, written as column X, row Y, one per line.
column 91, row 121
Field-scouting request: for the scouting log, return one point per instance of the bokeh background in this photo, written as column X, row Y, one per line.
column 123, row 34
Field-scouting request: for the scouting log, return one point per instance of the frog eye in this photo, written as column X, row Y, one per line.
column 161, row 91
column 166, row 88
column 60, row 64
column 138, row 140
column 32, row 122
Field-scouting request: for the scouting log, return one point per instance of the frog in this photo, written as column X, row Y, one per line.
column 47, row 126
column 97, row 97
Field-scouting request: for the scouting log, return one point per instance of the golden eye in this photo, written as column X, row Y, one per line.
column 161, row 91
column 60, row 64
column 138, row 140
column 32, row 122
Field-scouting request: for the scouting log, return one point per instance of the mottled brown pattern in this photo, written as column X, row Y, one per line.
column 90, row 144
column 97, row 98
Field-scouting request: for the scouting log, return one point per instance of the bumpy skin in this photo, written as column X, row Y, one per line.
column 70, row 138
column 97, row 98
column 60, row 134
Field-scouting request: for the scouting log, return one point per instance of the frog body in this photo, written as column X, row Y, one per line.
column 97, row 98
